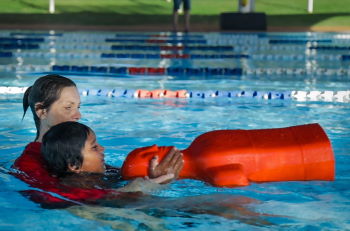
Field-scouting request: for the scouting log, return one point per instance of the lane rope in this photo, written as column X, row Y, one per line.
column 323, row 96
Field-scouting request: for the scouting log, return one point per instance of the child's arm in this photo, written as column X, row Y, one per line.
column 145, row 184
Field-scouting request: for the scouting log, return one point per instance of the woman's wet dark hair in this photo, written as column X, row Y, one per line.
column 62, row 145
column 46, row 90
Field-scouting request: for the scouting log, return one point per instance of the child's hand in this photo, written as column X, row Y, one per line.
column 171, row 164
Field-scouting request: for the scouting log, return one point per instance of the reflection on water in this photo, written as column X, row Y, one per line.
column 153, row 213
column 119, row 218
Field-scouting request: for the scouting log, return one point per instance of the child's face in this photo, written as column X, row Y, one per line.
column 93, row 155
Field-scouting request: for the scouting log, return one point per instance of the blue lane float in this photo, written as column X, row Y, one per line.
column 169, row 56
column 146, row 70
column 35, row 34
column 179, row 55
column 183, row 48
column 114, row 71
column 13, row 46
column 286, row 36
column 171, row 35
column 345, row 57
column 299, row 41
column 20, row 40
column 155, row 40
column 330, row 48
column 6, row 54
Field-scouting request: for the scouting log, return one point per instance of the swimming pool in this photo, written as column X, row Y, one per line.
column 312, row 63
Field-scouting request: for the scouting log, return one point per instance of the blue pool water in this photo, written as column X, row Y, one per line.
column 271, row 62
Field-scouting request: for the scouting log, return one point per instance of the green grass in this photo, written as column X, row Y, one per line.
column 127, row 7
column 294, row 13
column 148, row 12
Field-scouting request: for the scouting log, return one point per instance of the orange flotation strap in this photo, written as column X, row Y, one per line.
column 236, row 157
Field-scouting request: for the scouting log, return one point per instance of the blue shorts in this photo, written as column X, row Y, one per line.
column 177, row 3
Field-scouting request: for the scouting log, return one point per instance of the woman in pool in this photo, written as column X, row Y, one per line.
column 54, row 99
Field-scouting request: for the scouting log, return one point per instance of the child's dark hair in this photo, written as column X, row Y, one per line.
column 46, row 90
column 62, row 145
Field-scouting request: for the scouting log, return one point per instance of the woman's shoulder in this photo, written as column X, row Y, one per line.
column 30, row 155
column 30, row 165
column 33, row 148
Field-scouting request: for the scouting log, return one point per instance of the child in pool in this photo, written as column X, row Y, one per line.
column 73, row 155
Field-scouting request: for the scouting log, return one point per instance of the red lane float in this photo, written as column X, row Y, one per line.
column 236, row 157
column 156, row 41
column 156, row 70
column 175, row 56
column 160, row 93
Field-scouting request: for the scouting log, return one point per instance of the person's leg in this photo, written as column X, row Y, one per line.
column 175, row 14
column 187, row 8
column 187, row 21
column 175, row 20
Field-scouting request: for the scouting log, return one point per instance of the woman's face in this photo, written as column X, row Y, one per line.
column 93, row 155
column 66, row 108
